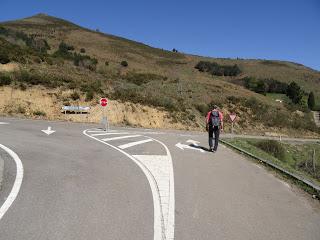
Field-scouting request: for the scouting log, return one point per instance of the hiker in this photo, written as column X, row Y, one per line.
column 214, row 124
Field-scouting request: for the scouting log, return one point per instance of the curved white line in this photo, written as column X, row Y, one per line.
column 170, row 229
column 158, row 234
column 17, row 183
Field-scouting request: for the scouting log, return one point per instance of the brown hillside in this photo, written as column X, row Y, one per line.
column 155, row 77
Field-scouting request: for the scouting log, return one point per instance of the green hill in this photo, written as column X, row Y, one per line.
column 60, row 55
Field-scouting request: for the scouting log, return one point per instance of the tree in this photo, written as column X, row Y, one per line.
column 261, row 87
column 294, row 92
column 311, row 101
column 124, row 63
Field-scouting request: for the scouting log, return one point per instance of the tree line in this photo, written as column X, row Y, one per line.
column 218, row 70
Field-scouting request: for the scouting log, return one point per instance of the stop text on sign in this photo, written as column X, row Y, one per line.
column 103, row 102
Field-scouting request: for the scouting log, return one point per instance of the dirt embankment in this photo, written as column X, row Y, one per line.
column 42, row 103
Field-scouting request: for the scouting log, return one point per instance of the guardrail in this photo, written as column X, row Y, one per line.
column 75, row 109
column 269, row 163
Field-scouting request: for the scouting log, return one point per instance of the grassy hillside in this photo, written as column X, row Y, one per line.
column 92, row 64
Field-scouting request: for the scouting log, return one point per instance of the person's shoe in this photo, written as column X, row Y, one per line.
column 211, row 149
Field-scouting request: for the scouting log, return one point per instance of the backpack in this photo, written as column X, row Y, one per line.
column 214, row 119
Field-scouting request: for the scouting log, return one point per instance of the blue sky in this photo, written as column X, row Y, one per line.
column 273, row 29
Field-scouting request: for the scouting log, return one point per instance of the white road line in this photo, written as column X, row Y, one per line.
column 118, row 138
column 124, row 146
column 159, row 173
column 99, row 131
column 3, row 123
column 17, row 183
column 109, row 133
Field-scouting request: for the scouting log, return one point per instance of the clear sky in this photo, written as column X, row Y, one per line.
column 270, row 29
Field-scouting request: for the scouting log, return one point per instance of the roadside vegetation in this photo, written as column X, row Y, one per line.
column 301, row 159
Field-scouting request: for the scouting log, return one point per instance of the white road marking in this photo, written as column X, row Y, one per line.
column 99, row 131
column 118, row 138
column 48, row 131
column 184, row 146
column 17, row 183
column 124, row 146
column 159, row 171
column 3, row 123
column 109, row 133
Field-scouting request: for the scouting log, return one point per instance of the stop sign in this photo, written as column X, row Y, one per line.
column 103, row 102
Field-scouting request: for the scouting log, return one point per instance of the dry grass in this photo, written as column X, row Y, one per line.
column 197, row 88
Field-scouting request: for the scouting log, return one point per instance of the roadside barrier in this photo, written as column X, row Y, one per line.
column 269, row 163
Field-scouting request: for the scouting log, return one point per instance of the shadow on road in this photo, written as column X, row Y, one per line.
column 200, row 147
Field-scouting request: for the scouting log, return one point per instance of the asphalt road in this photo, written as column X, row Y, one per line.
column 81, row 183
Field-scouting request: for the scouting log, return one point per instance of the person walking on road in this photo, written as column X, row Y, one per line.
column 214, row 124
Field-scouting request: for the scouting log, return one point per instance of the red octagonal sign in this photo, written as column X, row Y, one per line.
column 103, row 102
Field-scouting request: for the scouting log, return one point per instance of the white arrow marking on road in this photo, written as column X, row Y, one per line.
column 195, row 143
column 48, row 131
column 184, row 146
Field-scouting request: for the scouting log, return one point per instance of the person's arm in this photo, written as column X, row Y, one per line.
column 207, row 121
column 208, row 117
column 221, row 120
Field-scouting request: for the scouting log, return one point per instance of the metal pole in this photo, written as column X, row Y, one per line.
column 232, row 128
column 314, row 160
column 105, row 118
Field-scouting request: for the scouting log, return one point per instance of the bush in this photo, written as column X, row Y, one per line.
column 142, row 78
column 89, row 95
column 82, row 50
column 272, row 147
column 5, row 80
column 106, row 63
column 22, row 87
column 203, row 109
column 39, row 113
column 75, row 96
column 4, row 58
column 124, row 64
column 218, row 70
column 311, row 101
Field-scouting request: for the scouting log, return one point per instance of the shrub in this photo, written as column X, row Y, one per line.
column 234, row 99
column 218, row 70
column 272, row 147
column 22, row 87
column 21, row 110
column 82, row 50
column 142, row 78
column 311, row 101
column 4, row 58
column 202, row 108
column 75, row 96
column 89, row 95
column 39, row 113
column 124, row 64
column 5, row 80
column 106, row 63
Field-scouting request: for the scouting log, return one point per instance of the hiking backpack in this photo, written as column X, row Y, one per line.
column 215, row 119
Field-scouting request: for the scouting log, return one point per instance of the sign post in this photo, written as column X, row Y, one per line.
column 232, row 118
column 104, row 104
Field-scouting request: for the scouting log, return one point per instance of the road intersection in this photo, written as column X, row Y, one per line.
column 83, row 183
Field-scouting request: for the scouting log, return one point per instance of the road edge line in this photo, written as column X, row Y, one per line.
column 17, row 183
column 158, row 226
